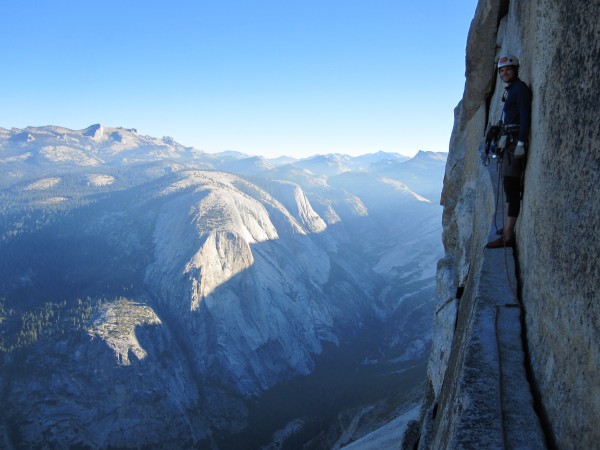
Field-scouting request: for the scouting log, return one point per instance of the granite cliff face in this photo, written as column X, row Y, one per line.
column 476, row 366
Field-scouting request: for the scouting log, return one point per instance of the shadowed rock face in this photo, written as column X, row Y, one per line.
column 557, row 232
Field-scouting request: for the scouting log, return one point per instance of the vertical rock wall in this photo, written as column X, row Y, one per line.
column 558, row 250
column 559, row 231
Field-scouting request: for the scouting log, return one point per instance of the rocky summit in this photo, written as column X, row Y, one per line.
column 156, row 296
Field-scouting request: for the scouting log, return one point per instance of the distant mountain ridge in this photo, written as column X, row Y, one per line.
column 107, row 144
column 99, row 146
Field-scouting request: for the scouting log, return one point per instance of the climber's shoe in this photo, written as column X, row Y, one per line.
column 500, row 242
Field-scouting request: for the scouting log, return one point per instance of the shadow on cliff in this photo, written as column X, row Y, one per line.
column 361, row 359
column 101, row 250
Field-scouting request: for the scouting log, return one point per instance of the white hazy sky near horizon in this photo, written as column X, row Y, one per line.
column 263, row 77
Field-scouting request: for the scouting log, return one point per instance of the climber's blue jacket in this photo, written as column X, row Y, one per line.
column 517, row 108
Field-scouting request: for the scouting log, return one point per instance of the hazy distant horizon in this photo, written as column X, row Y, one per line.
column 263, row 78
column 282, row 156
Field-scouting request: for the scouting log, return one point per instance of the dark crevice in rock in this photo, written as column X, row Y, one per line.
column 503, row 9
column 412, row 435
column 538, row 406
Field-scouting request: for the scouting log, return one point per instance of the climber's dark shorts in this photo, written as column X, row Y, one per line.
column 512, row 190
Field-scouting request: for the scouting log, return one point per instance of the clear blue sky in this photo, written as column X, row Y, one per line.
column 268, row 77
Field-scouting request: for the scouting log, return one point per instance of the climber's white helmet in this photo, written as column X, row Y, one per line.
column 508, row 60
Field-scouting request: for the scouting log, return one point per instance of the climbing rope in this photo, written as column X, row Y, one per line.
column 499, row 165
column 508, row 278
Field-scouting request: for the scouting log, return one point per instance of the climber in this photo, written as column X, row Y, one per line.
column 516, row 118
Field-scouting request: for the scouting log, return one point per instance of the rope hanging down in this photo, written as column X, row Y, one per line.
column 500, row 176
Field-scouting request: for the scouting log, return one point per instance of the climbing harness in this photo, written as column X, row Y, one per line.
column 492, row 138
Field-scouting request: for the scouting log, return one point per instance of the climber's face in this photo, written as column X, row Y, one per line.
column 508, row 74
